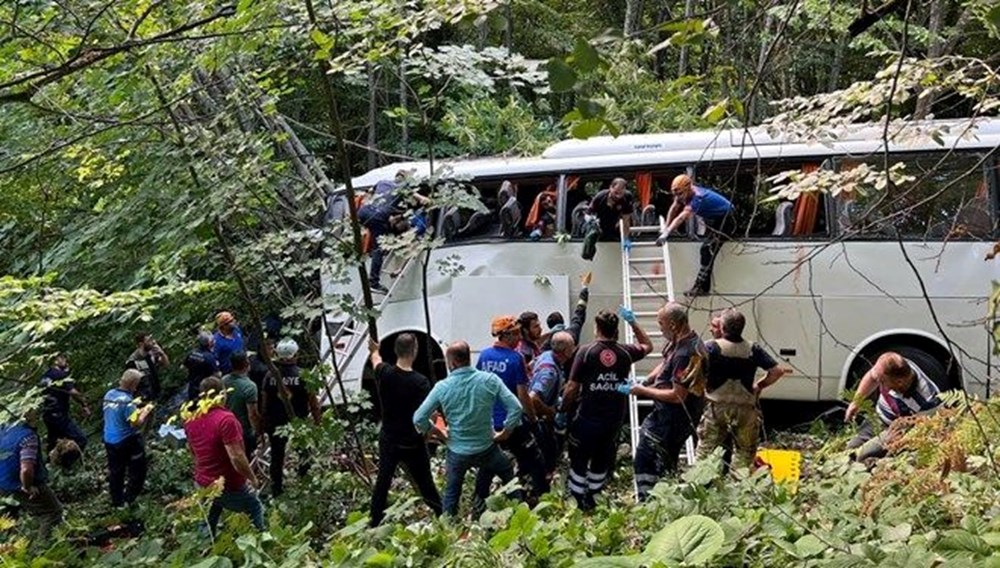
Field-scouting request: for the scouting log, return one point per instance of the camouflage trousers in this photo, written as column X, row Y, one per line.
column 722, row 421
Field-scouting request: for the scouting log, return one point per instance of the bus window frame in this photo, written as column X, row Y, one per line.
column 988, row 157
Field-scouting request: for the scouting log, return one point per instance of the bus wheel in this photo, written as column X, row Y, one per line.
column 931, row 361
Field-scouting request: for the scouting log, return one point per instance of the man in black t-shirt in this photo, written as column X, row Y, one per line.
column 401, row 390
column 148, row 358
column 611, row 205
column 599, row 369
column 200, row 364
column 59, row 388
column 676, row 387
column 281, row 394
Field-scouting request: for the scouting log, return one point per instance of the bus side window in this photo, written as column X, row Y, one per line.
column 949, row 199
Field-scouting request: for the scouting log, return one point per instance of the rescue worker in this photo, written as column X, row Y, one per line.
column 529, row 343
column 904, row 390
column 200, row 364
column 675, row 386
column 505, row 362
column 731, row 392
column 714, row 209
column 598, row 370
column 611, row 205
column 547, row 379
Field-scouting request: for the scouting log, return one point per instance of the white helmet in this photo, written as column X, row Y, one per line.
column 287, row 348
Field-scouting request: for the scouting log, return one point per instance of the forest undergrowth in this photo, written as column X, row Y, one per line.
column 933, row 502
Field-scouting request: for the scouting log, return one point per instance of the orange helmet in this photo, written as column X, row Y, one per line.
column 503, row 324
column 682, row 181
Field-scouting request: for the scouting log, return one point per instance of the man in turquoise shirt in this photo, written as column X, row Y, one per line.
column 466, row 398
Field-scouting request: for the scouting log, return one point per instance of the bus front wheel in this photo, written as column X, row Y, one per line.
column 932, row 359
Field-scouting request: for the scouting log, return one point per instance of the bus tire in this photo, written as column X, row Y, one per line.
column 931, row 363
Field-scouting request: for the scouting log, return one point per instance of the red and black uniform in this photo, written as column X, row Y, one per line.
column 600, row 367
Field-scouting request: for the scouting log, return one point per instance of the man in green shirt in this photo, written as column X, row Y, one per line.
column 241, row 399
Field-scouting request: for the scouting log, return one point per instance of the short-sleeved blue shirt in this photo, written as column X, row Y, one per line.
column 19, row 442
column 547, row 378
column 708, row 204
column 225, row 347
column 509, row 366
column 118, row 406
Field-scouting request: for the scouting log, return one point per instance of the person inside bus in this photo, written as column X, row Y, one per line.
column 714, row 209
column 544, row 225
column 611, row 205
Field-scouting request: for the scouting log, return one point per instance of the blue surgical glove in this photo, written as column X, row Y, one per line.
column 561, row 421
column 536, row 234
column 624, row 388
column 627, row 245
column 626, row 314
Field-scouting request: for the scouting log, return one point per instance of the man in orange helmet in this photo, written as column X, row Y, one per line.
column 714, row 209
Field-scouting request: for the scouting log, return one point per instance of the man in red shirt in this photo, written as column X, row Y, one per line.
column 216, row 440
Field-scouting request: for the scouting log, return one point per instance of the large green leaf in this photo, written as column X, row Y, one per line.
column 585, row 57
column 562, row 78
column 694, row 539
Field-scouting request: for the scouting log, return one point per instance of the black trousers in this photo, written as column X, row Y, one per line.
column 126, row 459
column 550, row 444
column 279, row 449
column 62, row 426
column 592, row 445
column 417, row 464
column 661, row 440
column 717, row 231
column 528, row 457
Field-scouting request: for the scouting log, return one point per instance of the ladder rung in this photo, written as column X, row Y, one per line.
column 658, row 277
column 638, row 260
column 643, row 402
column 646, row 229
column 645, row 244
column 648, row 295
column 644, row 314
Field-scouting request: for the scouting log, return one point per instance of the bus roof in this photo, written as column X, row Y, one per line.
column 602, row 153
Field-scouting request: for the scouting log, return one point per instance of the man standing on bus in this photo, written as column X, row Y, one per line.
column 675, row 386
column 598, row 371
column 505, row 362
column 611, row 205
column 731, row 392
column 714, row 209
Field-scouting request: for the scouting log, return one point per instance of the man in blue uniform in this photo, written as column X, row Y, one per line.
column 714, row 209
column 506, row 362
column 59, row 389
column 22, row 473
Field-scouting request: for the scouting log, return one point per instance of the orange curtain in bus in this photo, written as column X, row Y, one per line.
column 536, row 207
column 806, row 208
column 644, row 184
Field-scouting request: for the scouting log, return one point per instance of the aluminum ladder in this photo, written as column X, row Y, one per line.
column 346, row 336
column 639, row 266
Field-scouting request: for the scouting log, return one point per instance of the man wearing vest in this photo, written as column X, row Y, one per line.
column 22, row 473
column 732, row 393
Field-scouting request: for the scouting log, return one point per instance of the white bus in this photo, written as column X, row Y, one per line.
column 826, row 283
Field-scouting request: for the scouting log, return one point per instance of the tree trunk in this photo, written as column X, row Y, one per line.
column 404, row 133
column 934, row 50
column 372, row 117
column 508, row 29
column 837, row 64
column 633, row 14
column 683, row 63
